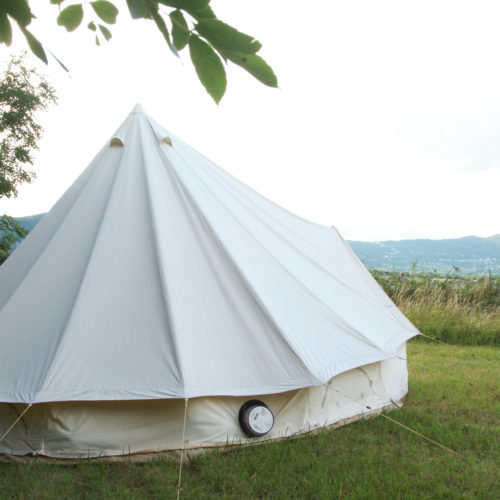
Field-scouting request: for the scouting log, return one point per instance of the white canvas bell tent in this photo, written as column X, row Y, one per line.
column 159, row 278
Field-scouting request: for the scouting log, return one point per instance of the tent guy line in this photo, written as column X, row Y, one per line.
column 15, row 422
column 423, row 436
column 186, row 402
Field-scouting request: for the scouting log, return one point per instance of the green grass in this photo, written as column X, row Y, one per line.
column 454, row 324
column 455, row 310
column 453, row 398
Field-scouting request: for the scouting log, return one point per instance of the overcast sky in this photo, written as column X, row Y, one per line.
column 386, row 123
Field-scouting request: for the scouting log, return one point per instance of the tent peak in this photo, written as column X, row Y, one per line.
column 138, row 109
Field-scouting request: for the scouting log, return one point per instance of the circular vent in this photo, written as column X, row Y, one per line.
column 256, row 419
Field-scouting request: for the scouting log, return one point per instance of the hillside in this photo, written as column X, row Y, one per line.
column 470, row 254
column 495, row 239
column 30, row 221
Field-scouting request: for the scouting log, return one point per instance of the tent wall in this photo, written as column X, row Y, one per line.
column 116, row 428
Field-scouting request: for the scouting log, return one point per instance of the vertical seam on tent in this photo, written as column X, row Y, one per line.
column 238, row 271
column 163, row 280
column 97, row 234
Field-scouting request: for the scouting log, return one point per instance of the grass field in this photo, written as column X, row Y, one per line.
column 453, row 398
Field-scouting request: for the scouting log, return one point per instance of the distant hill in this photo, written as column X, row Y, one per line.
column 470, row 254
column 495, row 238
column 30, row 221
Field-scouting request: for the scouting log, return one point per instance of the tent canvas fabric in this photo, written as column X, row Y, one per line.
column 158, row 277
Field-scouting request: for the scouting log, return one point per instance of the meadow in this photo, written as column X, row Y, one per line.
column 453, row 399
column 461, row 310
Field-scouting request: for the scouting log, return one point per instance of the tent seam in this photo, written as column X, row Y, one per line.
column 250, row 205
column 237, row 269
column 343, row 323
column 233, row 190
column 160, row 267
column 97, row 234
column 40, row 255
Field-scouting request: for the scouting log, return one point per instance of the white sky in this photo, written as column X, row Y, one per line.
column 386, row 123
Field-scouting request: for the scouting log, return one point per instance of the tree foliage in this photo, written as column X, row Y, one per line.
column 182, row 23
column 23, row 92
column 11, row 233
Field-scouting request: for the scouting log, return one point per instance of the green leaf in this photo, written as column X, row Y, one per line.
column 256, row 66
column 11, row 232
column 225, row 37
column 34, row 45
column 186, row 4
column 97, row 42
column 164, row 30
column 138, row 9
column 91, row 26
column 5, row 29
column 199, row 9
column 105, row 10
column 56, row 2
column 208, row 66
column 18, row 10
column 71, row 17
column 180, row 30
column 105, row 32
column 205, row 13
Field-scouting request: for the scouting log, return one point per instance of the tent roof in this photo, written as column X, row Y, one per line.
column 159, row 275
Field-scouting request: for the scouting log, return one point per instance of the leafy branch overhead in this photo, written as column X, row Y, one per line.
column 183, row 23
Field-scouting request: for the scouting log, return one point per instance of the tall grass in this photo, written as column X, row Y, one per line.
column 455, row 310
